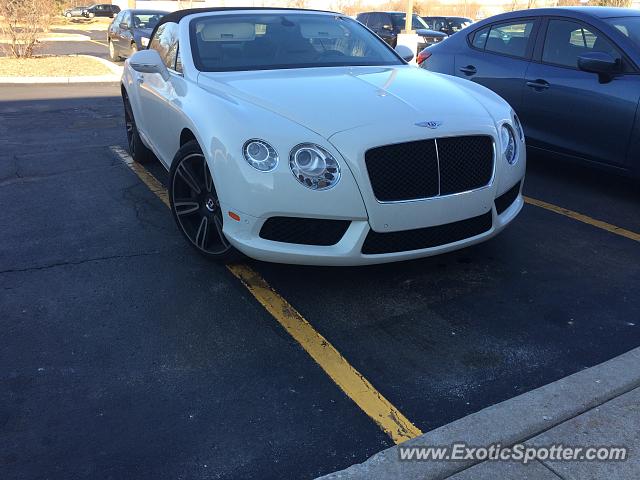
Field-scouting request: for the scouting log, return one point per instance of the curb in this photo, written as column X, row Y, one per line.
column 75, row 37
column 113, row 78
column 72, row 37
column 512, row 421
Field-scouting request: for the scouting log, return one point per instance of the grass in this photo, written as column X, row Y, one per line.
column 51, row 67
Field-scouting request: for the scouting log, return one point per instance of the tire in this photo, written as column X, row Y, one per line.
column 68, row 15
column 195, row 205
column 91, row 15
column 138, row 150
column 113, row 56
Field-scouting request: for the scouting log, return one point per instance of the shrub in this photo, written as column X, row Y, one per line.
column 23, row 22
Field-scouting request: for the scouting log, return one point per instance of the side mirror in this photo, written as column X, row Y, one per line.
column 149, row 61
column 601, row 63
column 124, row 26
column 387, row 27
column 405, row 52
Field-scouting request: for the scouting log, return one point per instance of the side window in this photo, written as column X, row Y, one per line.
column 165, row 41
column 118, row 19
column 362, row 18
column 480, row 38
column 566, row 41
column 509, row 38
column 178, row 62
column 375, row 21
column 385, row 19
column 127, row 19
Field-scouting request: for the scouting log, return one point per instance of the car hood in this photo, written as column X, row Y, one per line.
column 423, row 32
column 335, row 99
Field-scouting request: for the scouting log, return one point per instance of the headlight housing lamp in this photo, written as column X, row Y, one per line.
column 314, row 167
column 509, row 146
column 260, row 155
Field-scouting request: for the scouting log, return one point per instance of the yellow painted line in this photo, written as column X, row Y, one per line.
column 584, row 218
column 352, row 382
column 99, row 43
column 149, row 180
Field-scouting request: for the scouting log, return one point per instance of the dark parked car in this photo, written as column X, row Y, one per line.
column 448, row 25
column 572, row 75
column 102, row 10
column 75, row 12
column 130, row 32
column 387, row 25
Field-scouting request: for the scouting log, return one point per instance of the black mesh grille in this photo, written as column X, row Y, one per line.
column 306, row 231
column 505, row 200
column 409, row 171
column 426, row 237
column 466, row 163
column 405, row 171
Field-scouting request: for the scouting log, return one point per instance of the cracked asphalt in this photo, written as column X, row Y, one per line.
column 125, row 355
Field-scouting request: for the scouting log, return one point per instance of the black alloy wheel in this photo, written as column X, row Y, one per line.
column 195, row 205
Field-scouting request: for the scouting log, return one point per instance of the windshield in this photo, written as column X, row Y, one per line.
column 458, row 23
column 147, row 19
column 417, row 23
column 276, row 40
column 630, row 26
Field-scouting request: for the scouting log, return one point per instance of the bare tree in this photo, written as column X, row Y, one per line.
column 296, row 3
column 614, row 3
column 348, row 7
column 23, row 22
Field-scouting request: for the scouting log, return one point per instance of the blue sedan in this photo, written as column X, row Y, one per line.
column 572, row 75
column 130, row 31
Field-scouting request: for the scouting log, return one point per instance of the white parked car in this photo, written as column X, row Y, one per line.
column 299, row 136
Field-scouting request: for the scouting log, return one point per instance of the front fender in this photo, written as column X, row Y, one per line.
column 222, row 124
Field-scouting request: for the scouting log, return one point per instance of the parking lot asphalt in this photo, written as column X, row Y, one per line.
column 126, row 355
column 96, row 46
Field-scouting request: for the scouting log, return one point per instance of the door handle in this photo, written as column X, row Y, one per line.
column 140, row 79
column 469, row 70
column 538, row 84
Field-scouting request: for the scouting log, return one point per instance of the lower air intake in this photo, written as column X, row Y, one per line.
column 428, row 237
column 305, row 231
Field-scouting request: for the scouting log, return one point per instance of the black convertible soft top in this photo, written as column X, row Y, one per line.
column 180, row 14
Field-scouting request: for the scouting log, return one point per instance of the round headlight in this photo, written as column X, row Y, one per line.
column 260, row 155
column 518, row 126
column 314, row 167
column 508, row 139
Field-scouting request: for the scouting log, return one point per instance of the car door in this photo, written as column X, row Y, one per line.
column 114, row 28
column 576, row 112
column 125, row 36
column 157, row 95
column 377, row 22
column 498, row 56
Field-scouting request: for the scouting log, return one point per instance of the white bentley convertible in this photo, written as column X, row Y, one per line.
column 299, row 136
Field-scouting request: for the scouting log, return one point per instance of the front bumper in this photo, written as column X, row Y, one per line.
column 244, row 235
